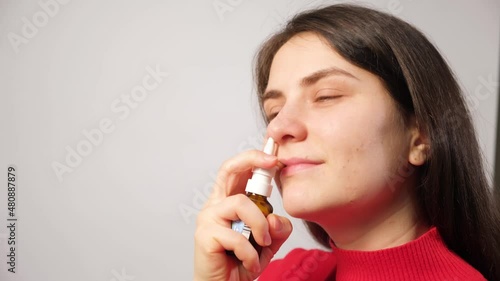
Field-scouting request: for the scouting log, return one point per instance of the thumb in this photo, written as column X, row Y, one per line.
column 280, row 229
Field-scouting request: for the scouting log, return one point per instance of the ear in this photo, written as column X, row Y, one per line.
column 419, row 145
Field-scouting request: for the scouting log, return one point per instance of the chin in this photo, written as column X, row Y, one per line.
column 300, row 206
column 307, row 205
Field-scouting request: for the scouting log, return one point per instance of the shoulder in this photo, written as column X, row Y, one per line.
column 449, row 262
column 301, row 264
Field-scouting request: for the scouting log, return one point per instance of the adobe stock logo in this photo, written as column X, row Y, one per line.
column 223, row 6
column 189, row 212
column 121, row 276
column 122, row 106
column 30, row 28
column 395, row 7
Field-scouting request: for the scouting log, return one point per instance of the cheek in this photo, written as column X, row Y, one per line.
column 363, row 148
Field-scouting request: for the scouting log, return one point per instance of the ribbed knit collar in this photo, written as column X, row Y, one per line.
column 425, row 258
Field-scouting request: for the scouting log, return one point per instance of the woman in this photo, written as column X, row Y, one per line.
column 378, row 156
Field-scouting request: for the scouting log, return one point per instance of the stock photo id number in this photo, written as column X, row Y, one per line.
column 12, row 218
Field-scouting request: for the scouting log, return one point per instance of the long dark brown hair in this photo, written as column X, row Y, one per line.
column 453, row 193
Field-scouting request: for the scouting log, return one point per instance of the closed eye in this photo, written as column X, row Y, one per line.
column 326, row 94
column 326, row 98
column 271, row 117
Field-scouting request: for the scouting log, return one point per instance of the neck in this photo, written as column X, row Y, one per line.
column 396, row 226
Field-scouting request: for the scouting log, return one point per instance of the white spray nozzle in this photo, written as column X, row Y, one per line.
column 260, row 183
column 269, row 148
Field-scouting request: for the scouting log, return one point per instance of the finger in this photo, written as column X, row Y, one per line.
column 234, row 173
column 266, row 255
column 223, row 239
column 280, row 229
column 240, row 207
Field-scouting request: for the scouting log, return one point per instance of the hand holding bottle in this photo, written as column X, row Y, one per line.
column 226, row 204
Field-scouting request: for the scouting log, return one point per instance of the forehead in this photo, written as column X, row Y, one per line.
column 302, row 55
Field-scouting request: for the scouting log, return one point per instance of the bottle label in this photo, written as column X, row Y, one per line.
column 242, row 228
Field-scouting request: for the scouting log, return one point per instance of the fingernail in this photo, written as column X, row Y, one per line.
column 267, row 239
column 278, row 226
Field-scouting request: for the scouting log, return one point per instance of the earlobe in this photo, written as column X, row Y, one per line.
column 419, row 147
column 418, row 154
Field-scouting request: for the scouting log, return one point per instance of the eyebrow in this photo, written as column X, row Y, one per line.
column 310, row 80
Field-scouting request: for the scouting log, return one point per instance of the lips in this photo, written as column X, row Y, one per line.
column 296, row 165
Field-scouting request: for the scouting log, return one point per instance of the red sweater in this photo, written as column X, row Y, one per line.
column 425, row 259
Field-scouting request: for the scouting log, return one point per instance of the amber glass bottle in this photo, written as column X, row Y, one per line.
column 258, row 189
column 266, row 208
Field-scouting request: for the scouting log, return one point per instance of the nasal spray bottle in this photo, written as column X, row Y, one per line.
column 258, row 189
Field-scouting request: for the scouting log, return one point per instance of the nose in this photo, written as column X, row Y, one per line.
column 287, row 127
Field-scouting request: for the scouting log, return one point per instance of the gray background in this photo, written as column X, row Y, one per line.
column 126, row 210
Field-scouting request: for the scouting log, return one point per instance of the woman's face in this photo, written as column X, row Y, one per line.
column 339, row 133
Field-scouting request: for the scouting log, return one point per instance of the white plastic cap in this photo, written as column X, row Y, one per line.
column 260, row 183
